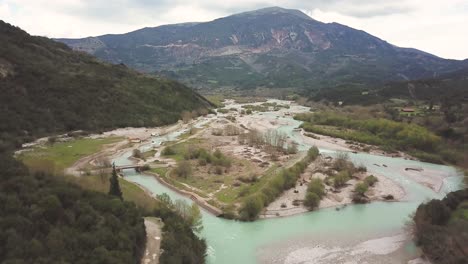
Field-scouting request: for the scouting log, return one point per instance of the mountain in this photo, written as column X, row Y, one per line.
column 448, row 88
column 271, row 47
column 48, row 88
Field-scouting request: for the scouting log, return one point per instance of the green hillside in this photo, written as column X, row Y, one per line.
column 48, row 88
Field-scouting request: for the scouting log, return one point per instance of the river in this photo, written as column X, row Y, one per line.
column 290, row 239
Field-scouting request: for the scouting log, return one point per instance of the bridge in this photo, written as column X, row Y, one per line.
column 125, row 167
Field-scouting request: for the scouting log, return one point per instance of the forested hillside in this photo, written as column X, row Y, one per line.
column 46, row 220
column 48, row 88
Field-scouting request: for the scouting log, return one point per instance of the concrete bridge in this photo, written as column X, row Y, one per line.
column 133, row 166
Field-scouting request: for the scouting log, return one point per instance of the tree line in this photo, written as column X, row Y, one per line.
column 281, row 181
column 390, row 135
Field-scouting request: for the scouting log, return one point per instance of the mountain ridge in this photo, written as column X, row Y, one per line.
column 272, row 47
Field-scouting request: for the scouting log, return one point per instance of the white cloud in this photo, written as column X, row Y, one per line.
column 434, row 26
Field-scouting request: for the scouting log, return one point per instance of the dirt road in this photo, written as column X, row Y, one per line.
column 153, row 240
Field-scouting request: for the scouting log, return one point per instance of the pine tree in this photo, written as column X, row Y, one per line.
column 114, row 188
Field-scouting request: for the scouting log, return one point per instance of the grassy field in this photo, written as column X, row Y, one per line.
column 59, row 156
column 131, row 192
column 55, row 158
column 231, row 195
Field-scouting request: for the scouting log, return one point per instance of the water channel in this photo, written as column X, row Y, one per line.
column 232, row 242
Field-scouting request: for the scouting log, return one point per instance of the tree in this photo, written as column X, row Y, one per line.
column 183, row 169
column 114, row 188
column 312, row 200
column 316, row 186
column 251, row 208
column 137, row 154
column 196, row 218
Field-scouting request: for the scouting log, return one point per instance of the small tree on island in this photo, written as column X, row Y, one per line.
column 114, row 188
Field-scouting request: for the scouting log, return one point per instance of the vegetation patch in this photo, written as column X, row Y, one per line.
column 388, row 134
column 441, row 228
column 276, row 185
column 54, row 158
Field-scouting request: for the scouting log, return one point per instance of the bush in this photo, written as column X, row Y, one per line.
column 312, row 200
column 340, row 179
column 251, row 208
column 361, row 168
column 313, row 153
column 168, row 151
column 371, row 180
column 361, row 188
column 145, row 167
column 316, row 186
column 183, row 169
column 137, row 154
column 218, row 170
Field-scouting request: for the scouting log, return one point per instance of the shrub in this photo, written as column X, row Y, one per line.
column 312, row 200
column 183, row 169
column 341, row 161
column 316, row 186
column 218, row 170
column 371, row 180
column 340, row 179
column 137, row 154
column 361, row 168
column 361, row 188
column 145, row 167
column 168, row 151
column 252, row 207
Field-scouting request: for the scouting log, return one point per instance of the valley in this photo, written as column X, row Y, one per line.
column 221, row 192
column 253, row 136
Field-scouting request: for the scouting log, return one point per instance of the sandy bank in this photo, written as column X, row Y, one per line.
column 284, row 205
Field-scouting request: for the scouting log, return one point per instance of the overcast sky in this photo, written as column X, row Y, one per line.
column 436, row 26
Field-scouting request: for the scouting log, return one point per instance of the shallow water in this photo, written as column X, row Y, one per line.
column 238, row 242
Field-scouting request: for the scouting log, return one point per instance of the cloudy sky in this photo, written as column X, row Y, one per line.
column 435, row 26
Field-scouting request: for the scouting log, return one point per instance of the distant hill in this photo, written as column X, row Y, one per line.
column 46, row 87
column 449, row 88
column 271, row 47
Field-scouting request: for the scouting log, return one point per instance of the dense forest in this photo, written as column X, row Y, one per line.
column 441, row 228
column 46, row 220
column 47, row 88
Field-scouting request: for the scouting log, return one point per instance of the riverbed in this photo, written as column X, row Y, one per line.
column 372, row 233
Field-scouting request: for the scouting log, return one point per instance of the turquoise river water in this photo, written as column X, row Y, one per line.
column 238, row 242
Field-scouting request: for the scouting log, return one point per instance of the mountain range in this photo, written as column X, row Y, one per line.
column 272, row 47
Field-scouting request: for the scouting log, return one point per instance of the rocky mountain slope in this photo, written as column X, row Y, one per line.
column 272, row 47
column 48, row 88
